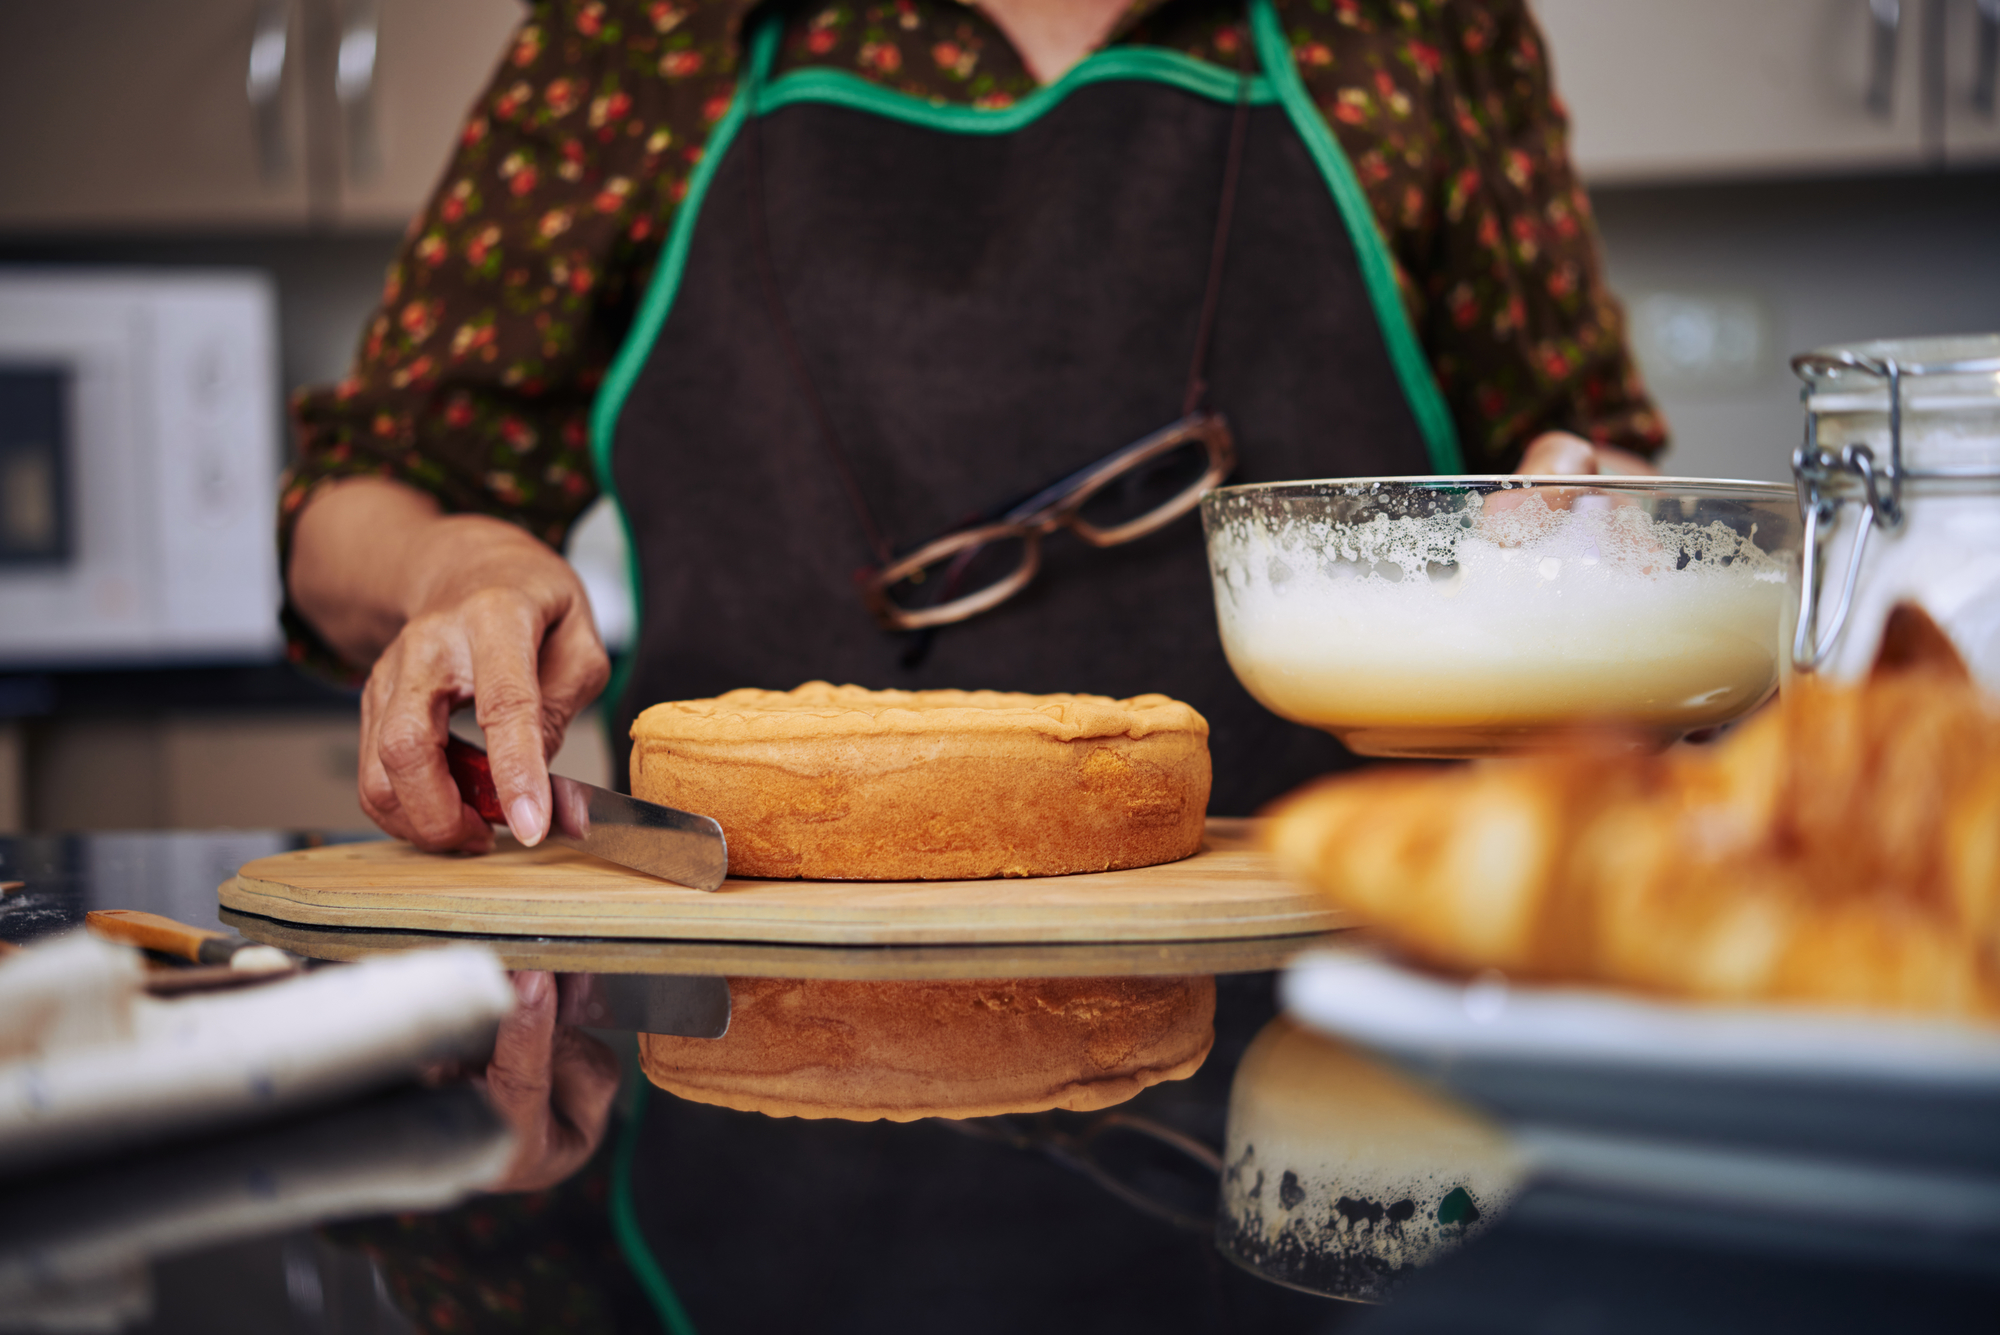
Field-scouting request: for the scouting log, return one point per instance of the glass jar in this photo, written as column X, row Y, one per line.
column 1899, row 482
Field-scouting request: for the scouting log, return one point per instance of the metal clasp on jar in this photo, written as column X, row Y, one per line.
column 1827, row 480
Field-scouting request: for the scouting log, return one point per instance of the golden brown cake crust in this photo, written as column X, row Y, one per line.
column 840, row 783
column 899, row 1051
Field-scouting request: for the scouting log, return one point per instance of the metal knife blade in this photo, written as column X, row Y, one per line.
column 693, row 1006
column 676, row 846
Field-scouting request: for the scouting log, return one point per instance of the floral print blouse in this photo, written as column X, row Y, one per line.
column 515, row 286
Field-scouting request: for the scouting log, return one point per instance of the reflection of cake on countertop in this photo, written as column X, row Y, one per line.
column 840, row 783
column 904, row 1050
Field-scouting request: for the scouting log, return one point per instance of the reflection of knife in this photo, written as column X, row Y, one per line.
column 691, row 1005
column 676, row 846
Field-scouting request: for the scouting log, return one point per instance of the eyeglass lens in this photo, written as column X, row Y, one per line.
column 960, row 574
column 1152, row 486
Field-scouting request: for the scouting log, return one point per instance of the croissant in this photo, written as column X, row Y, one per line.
column 1840, row 849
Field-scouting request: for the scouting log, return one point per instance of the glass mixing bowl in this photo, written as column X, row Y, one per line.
column 1472, row 616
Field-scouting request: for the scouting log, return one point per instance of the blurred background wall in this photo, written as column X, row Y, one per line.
column 1769, row 175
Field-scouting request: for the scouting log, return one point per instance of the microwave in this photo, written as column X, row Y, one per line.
column 139, row 456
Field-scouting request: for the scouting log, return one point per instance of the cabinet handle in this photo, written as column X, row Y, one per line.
column 1886, row 20
column 270, row 49
column 1989, row 56
column 354, row 85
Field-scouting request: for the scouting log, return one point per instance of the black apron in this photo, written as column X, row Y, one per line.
column 987, row 300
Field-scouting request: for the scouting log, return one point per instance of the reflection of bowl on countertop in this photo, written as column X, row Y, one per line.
column 1804, row 1131
column 1342, row 1177
column 1458, row 616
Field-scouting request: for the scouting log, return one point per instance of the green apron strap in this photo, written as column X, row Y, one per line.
column 842, row 88
column 1378, row 268
column 652, row 313
column 1278, row 79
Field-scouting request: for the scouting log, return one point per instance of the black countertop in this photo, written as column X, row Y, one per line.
column 761, row 1223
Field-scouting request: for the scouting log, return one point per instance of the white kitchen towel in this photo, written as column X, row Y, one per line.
column 68, row 994
column 240, row 1056
column 78, row 1233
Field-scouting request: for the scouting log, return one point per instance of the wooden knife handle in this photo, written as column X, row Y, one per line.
column 150, row 931
column 473, row 774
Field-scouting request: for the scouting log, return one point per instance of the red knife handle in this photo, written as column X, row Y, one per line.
column 473, row 774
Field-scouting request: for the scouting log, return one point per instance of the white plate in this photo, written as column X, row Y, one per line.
column 1856, row 1122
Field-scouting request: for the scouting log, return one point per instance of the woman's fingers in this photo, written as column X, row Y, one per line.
column 505, row 641
column 551, row 1084
column 584, row 1086
column 432, row 671
column 1560, row 453
column 526, row 705
column 521, row 1074
column 497, row 620
column 1611, row 459
column 490, row 651
column 438, row 819
column 574, row 669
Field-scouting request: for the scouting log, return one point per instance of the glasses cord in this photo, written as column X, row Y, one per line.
column 878, row 541
column 1225, row 213
column 1197, row 386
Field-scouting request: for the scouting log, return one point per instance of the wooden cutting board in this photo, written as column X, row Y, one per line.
column 1229, row 890
column 751, row 959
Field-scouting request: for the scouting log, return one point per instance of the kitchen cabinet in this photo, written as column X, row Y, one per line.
column 210, row 770
column 120, row 111
column 128, row 115
column 1706, row 89
column 1967, row 61
column 430, row 59
column 1700, row 88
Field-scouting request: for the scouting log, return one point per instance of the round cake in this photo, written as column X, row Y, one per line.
column 841, row 783
column 865, row 1051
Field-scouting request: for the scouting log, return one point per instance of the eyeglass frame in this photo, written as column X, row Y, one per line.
column 1055, row 506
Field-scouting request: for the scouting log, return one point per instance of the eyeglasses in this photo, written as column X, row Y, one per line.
column 1139, row 490
column 1147, row 1164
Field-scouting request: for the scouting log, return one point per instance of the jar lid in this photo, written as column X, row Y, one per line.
column 1955, row 372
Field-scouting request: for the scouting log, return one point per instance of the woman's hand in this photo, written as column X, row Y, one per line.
column 451, row 609
column 1559, row 452
column 551, row 1084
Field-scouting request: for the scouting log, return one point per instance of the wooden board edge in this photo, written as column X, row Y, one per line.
column 856, row 963
column 1234, row 829
column 267, row 900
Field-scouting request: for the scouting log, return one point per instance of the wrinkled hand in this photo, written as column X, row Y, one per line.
column 553, row 1086
column 499, row 619
column 1559, row 452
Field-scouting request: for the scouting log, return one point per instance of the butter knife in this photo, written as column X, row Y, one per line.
column 676, row 846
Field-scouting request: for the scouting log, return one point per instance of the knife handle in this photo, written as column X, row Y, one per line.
column 473, row 774
column 150, row 931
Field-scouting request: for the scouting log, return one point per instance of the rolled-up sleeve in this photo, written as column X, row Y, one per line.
column 1446, row 109
column 514, row 287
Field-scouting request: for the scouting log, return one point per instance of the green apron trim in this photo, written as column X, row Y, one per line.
column 1279, row 82
column 1378, row 268
column 652, row 316
column 841, row 88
